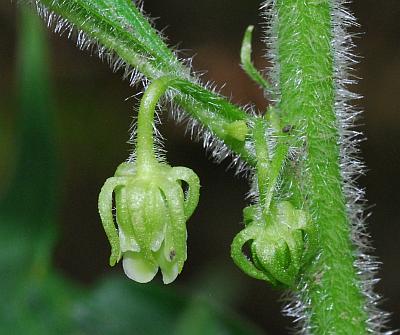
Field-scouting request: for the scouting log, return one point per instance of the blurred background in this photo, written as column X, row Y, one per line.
column 64, row 124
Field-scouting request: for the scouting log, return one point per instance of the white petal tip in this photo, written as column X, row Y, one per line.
column 169, row 274
column 137, row 268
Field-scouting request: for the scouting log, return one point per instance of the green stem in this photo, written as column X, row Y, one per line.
column 145, row 155
column 263, row 159
column 233, row 132
column 280, row 155
column 330, row 288
column 269, row 167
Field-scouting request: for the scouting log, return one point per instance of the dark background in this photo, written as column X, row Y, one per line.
column 93, row 118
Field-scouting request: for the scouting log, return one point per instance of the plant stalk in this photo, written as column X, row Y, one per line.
column 330, row 288
column 145, row 128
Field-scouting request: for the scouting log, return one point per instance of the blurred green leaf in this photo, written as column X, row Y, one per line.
column 120, row 307
column 30, row 202
column 33, row 301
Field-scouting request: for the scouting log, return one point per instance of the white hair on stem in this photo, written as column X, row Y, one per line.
column 298, row 304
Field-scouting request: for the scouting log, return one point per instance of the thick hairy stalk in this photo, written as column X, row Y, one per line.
column 332, row 296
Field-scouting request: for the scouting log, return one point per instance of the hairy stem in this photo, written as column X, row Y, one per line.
column 121, row 28
column 330, row 288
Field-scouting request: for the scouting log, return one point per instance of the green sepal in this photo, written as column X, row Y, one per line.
column 192, row 194
column 105, row 211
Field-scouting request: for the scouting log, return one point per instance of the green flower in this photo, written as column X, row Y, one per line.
column 279, row 247
column 151, row 205
column 151, row 213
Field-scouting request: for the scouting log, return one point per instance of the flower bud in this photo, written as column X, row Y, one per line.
column 279, row 247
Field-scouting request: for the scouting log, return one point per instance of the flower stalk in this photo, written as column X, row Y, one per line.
column 145, row 155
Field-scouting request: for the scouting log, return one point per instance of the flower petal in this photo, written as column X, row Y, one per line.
column 192, row 194
column 138, row 268
column 136, row 197
column 156, row 216
column 127, row 236
column 170, row 273
column 169, row 270
column 175, row 235
column 128, row 243
column 105, row 210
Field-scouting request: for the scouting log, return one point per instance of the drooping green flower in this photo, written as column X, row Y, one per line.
column 151, row 213
column 151, row 205
column 280, row 245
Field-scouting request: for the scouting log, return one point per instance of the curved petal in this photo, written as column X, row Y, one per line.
column 105, row 211
column 126, row 232
column 296, row 246
column 136, row 195
column 240, row 259
column 175, row 235
column 156, row 217
column 193, row 192
column 139, row 268
column 169, row 270
column 274, row 255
